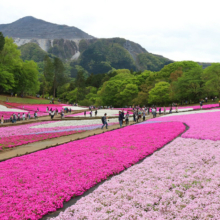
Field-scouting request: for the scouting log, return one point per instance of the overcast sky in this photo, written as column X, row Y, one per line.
column 176, row 29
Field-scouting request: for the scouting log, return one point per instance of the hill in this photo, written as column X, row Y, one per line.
column 30, row 27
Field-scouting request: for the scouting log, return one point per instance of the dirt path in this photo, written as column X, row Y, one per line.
column 36, row 146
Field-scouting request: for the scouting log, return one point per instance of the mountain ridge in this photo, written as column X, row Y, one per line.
column 30, row 27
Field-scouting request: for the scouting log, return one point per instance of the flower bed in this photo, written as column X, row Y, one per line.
column 35, row 184
column 23, row 134
column 17, row 140
column 101, row 112
column 179, row 182
column 42, row 107
column 202, row 125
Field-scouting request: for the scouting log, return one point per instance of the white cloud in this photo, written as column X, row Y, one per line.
column 179, row 30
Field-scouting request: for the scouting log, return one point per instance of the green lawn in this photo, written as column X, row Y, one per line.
column 25, row 100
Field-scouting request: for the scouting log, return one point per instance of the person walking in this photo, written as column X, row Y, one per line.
column 144, row 115
column 96, row 112
column 120, row 118
column 35, row 116
column 137, row 116
column 123, row 115
column 160, row 111
column 2, row 119
column 18, row 116
column 171, row 109
column 134, row 116
column 104, row 121
column 200, row 104
column 84, row 113
column 90, row 113
column 154, row 112
column 164, row 110
column 14, row 118
column 127, row 118
column 52, row 115
column 29, row 115
column 176, row 108
column 23, row 116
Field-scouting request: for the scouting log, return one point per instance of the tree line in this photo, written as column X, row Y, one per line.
column 176, row 82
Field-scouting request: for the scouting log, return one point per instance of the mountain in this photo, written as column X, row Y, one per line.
column 30, row 27
column 36, row 38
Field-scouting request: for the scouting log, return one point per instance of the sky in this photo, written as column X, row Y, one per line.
column 176, row 29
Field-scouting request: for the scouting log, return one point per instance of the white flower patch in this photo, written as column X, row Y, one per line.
column 191, row 112
column 5, row 109
column 74, row 123
column 75, row 107
column 101, row 112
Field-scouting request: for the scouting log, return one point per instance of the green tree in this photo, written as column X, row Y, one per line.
column 59, row 77
column 10, row 65
column 128, row 94
column 189, row 86
column 27, row 79
column 2, row 41
column 160, row 93
column 211, row 75
column 80, row 83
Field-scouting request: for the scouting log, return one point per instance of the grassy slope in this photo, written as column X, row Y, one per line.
column 25, row 100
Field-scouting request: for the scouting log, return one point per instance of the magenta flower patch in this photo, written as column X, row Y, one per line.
column 35, row 184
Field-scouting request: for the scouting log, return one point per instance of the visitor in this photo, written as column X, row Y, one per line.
column 35, row 115
column 57, row 111
column 134, row 116
column 62, row 114
column 11, row 119
column 84, row 113
column 120, row 118
column 18, row 116
column 104, row 121
column 144, row 115
column 96, row 112
column 127, row 118
column 171, row 109
column 148, row 110
column 2, row 119
column 14, row 118
column 23, row 116
column 164, row 110
column 154, row 112
column 47, row 109
column 200, row 104
column 52, row 114
column 91, row 113
column 123, row 115
column 176, row 108
column 160, row 111
column 29, row 115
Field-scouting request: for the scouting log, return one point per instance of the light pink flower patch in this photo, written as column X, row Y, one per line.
column 181, row 181
column 35, row 184
column 201, row 126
